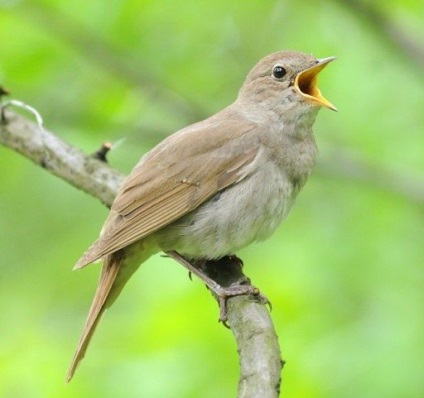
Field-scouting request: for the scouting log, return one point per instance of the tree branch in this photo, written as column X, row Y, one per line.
column 59, row 158
column 250, row 321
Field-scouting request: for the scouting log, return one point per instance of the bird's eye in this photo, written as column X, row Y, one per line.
column 278, row 72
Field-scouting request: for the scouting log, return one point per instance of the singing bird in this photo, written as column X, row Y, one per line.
column 217, row 185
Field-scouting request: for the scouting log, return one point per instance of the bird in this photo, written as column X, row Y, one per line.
column 215, row 186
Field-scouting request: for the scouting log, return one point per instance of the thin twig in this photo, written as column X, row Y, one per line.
column 101, row 153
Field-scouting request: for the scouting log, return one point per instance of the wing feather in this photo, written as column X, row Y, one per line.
column 175, row 178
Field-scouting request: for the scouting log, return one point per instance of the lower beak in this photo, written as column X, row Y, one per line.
column 306, row 83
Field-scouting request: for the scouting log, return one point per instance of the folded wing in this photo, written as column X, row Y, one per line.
column 175, row 178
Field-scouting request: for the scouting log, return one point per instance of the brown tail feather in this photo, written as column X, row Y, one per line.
column 117, row 270
column 111, row 266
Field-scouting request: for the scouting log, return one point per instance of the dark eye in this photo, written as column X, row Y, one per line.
column 278, row 72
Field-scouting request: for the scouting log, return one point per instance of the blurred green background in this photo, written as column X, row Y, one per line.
column 345, row 271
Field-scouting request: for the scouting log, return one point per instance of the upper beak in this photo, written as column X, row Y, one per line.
column 306, row 83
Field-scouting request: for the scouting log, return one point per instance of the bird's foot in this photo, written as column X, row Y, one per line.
column 222, row 295
column 223, row 278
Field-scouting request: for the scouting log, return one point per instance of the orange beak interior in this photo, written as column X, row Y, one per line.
column 306, row 84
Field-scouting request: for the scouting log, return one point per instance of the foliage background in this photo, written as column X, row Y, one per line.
column 344, row 273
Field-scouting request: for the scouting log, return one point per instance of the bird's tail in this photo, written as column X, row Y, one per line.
column 111, row 267
column 117, row 270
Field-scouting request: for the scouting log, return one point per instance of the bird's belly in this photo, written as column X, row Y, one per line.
column 246, row 212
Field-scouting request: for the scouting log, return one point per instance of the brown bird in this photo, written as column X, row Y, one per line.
column 215, row 186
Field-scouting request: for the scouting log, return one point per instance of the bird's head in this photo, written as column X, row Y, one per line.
column 285, row 80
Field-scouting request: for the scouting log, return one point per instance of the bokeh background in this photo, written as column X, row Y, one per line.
column 345, row 271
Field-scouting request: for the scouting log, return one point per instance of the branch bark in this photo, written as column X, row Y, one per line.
column 250, row 322
column 59, row 158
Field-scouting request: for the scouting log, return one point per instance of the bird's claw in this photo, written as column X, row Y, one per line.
column 225, row 293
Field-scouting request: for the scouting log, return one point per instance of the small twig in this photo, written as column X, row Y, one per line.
column 101, row 153
column 3, row 92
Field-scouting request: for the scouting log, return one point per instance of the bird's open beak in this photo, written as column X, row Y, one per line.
column 306, row 83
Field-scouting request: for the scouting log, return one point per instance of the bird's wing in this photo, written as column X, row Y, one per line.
column 174, row 178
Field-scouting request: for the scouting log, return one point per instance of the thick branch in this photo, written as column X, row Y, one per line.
column 260, row 374
column 249, row 320
column 58, row 157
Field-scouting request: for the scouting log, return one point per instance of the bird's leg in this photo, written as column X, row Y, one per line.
column 223, row 277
